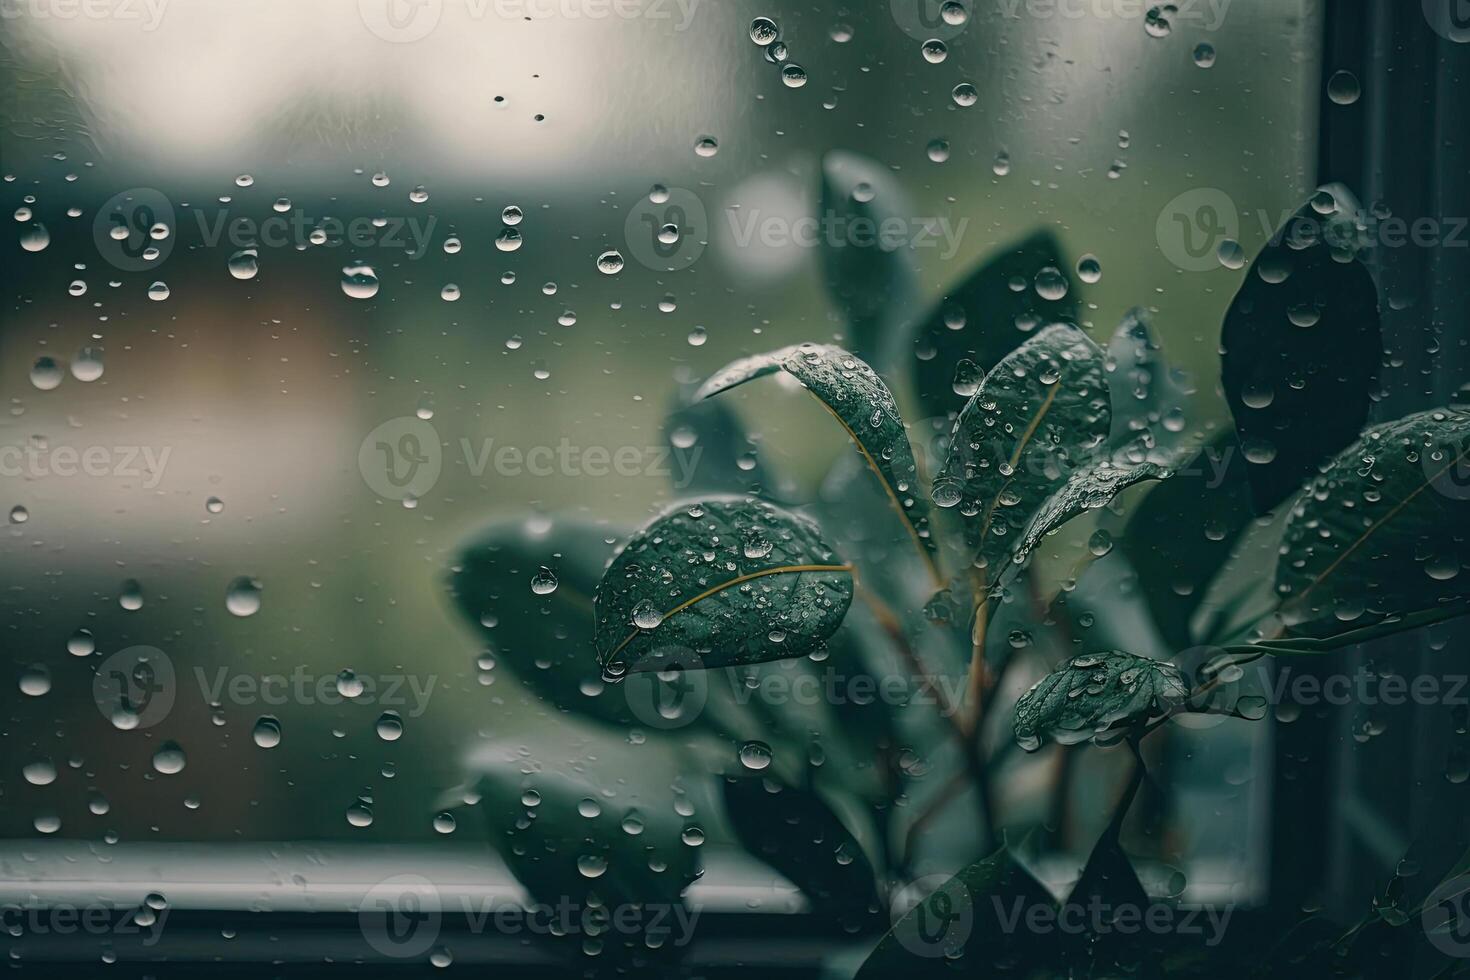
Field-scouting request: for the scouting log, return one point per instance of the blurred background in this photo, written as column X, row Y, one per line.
column 228, row 383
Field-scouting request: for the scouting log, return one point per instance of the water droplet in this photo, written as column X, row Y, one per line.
column 692, row 836
column 46, row 373
column 1051, row 284
column 359, row 281
column 646, row 616
column 41, row 772
column 755, row 755
column 169, row 759
column 543, row 582
column 1204, row 55
column 35, row 680
column 158, row 292
column 589, row 808
column 508, row 240
column 763, row 31
column 130, row 595
column 359, row 814
column 1343, row 88
column 87, row 365
column 1100, row 543
column 793, row 75
column 244, row 264
column 591, row 865
column 964, row 94
column 937, row 150
column 267, row 731
column 934, row 51
column 242, row 597
column 1089, row 269
column 511, row 215
column 349, row 685
column 214, row 505
column 35, row 237
column 19, row 514
column 389, row 726
column 444, row 822
column 610, row 263
column 450, row 293
column 706, row 146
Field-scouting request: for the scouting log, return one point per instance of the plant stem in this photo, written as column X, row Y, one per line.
column 975, row 688
column 974, row 765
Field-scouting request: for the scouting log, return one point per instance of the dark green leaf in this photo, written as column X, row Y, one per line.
column 716, row 583
column 1302, row 347
column 1148, row 397
column 858, row 399
column 1097, row 694
column 986, row 317
column 491, row 585
column 711, row 452
column 1038, row 416
column 538, row 818
column 1385, row 529
column 799, row 835
column 868, row 275
column 1182, row 533
column 973, row 925
column 1090, row 488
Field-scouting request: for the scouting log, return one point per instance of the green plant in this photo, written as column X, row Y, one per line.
column 1045, row 427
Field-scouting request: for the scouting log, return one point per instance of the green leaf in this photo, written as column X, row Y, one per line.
column 545, row 640
column 799, row 835
column 1182, row 533
column 1091, row 488
column 1385, row 529
column 1302, row 347
column 985, row 318
column 712, row 452
column 1097, row 694
column 1148, row 398
column 869, row 276
column 961, row 929
column 858, row 399
column 1038, row 416
column 538, row 814
column 719, row 582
